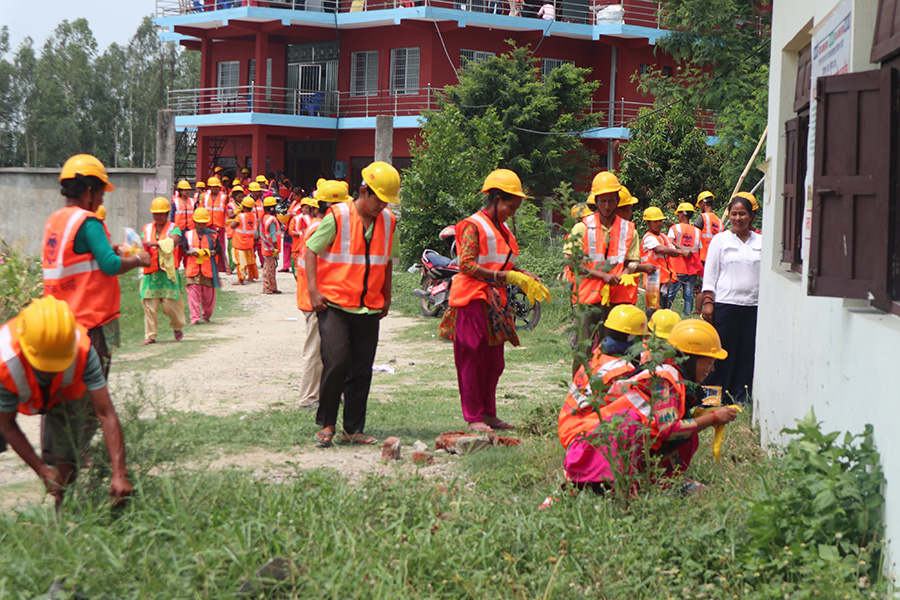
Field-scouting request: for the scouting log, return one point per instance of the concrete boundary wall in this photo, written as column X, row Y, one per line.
column 29, row 195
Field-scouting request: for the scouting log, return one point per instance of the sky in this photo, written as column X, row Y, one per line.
column 110, row 20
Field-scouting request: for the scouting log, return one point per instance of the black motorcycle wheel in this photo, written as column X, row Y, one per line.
column 428, row 308
column 527, row 316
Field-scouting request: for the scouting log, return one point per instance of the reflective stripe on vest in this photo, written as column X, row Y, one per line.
column 184, row 213
column 345, row 256
column 595, row 246
column 660, row 260
column 61, row 270
column 149, row 236
column 303, row 301
column 577, row 415
column 195, row 242
column 270, row 241
column 245, row 232
column 492, row 255
column 711, row 226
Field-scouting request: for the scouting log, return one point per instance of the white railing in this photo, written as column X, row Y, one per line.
column 318, row 103
column 645, row 13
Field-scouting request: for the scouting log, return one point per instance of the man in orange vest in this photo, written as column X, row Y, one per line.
column 48, row 368
column 270, row 238
column 706, row 221
column 160, row 285
column 657, row 249
column 231, row 210
column 202, row 277
column 687, row 268
column 198, row 195
column 245, row 232
column 182, row 209
column 79, row 264
column 610, row 250
column 215, row 201
column 348, row 273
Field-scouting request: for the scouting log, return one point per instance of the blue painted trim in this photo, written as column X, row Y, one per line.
column 300, row 122
column 607, row 133
column 712, row 140
column 396, row 15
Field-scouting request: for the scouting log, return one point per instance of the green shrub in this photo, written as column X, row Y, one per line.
column 20, row 280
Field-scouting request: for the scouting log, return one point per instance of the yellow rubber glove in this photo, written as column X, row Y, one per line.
column 536, row 292
column 628, row 278
column 202, row 256
column 719, row 429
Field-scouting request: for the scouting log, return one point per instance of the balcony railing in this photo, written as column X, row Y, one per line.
column 398, row 103
column 644, row 13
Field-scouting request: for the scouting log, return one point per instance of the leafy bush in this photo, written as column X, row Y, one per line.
column 20, row 281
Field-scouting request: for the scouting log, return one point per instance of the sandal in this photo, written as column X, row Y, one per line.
column 323, row 438
column 481, row 428
column 502, row 425
column 179, row 335
column 148, row 342
column 358, row 439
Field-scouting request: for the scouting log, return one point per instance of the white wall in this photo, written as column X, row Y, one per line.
column 838, row 356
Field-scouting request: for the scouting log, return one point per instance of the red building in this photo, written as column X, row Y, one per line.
column 295, row 85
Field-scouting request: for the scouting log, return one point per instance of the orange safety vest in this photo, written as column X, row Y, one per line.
column 636, row 396
column 711, row 226
column 661, row 261
column 351, row 270
column 599, row 252
column 686, row 236
column 270, row 241
column 495, row 252
column 245, row 232
column 298, row 226
column 150, row 236
column 303, row 301
column 74, row 278
column 216, row 208
column 17, row 374
column 196, row 241
column 577, row 415
column 233, row 207
column 184, row 213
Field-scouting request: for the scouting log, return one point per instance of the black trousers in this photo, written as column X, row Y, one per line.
column 348, row 349
column 737, row 329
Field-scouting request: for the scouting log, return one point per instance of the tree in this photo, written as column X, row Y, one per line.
column 722, row 48
column 498, row 116
column 667, row 160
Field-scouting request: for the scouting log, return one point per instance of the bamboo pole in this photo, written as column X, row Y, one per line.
column 737, row 188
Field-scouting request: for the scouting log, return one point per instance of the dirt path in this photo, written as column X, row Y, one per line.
column 241, row 352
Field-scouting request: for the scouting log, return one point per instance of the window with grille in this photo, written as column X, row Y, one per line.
column 364, row 73
column 228, row 80
column 548, row 64
column 474, row 56
column 404, row 71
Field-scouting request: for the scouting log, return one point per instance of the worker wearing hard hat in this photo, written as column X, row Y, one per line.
column 232, row 208
column 161, row 284
column 198, row 194
column 270, row 238
column 244, row 239
column 349, row 260
column 255, row 191
column 609, row 250
column 706, row 221
column 658, row 249
column 183, row 208
column 311, row 358
column 301, row 219
column 215, row 201
column 79, row 265
column 687, row 268
column 48, row 368
column 199, row 268
column 625, row 208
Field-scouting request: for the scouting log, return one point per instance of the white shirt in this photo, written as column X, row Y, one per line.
column 732, row 269
column 547, row 12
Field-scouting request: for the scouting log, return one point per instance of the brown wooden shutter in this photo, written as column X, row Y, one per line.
column 794, row 172
column 851, row 195
column 886, row 41
column 804, row 82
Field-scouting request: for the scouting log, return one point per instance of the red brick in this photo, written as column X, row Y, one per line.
column 447, row 440
column 391, row 449
column 421, row 457
column 507, row 441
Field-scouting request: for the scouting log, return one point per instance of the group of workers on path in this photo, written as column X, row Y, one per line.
column 55, row 356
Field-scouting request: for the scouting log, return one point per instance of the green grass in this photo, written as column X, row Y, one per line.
column 476, row 532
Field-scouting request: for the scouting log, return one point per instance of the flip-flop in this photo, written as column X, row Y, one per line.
column 502, row 425
column 323, row 438
column 481, row 428
column 358, row 439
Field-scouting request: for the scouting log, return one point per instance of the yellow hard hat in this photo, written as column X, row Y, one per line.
column 627, row 318
column 101, row 212
column 384, row 180
column 625, row 197
column 245, row 171
column 705, row 195
column 262, row 179
column 320, row 181
column 604, row 183
column 218, row 170
column 201, row 215
column 47, row 334
column 685, row 207
column 254, row 187
column 662, row 321
column 653, row 213
column 86, row 166
column 237, row 188
column 580, row 211
column 248, row 202
column 750, row 197
column 160, row 205
column 505, row 181
column 693, row 336
column 213, row 181
column 184, row 185
column 270, row 201
column 283, row 218
column 200, row 184
column 333, row 191
column 307, row 201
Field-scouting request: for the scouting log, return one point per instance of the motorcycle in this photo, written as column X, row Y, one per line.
column 437, row 277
